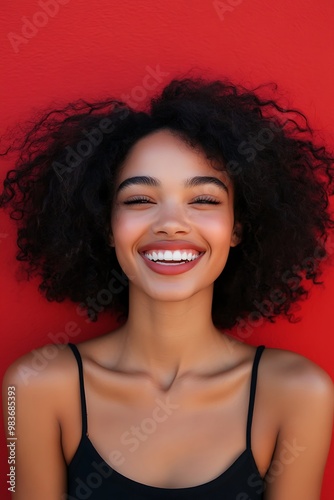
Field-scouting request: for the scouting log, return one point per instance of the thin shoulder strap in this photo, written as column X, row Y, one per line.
column 257, row 357
column 77, row 355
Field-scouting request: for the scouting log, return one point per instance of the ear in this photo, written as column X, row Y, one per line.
column 236, row 235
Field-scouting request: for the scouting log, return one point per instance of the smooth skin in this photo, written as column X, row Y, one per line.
column 169, row 350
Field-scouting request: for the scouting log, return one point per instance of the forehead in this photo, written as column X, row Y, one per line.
column 163, row 154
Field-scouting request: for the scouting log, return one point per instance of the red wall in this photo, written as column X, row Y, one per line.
column 58, row 50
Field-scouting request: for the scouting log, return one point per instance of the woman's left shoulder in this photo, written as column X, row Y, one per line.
column 292, row 374
column 298, row 397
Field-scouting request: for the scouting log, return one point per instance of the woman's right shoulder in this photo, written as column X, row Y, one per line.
column 46, row 368
column 39, row 392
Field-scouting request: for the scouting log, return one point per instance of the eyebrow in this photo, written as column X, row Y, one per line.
column 153, row 182
column 201, row 180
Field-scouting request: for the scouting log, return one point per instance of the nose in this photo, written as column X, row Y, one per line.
column 171, row 220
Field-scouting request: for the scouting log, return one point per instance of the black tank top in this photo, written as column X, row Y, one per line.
column 90, row 477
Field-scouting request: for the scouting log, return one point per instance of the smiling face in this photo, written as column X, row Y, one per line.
column 172, row 219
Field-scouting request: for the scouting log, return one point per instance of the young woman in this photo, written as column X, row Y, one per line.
column 213, row 203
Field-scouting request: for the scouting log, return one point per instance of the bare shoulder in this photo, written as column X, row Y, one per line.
column 296, row 380
column 47, row 368
column 41, row 384
column 295, row 368
column 300, row 400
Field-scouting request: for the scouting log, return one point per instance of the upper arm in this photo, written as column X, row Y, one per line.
column 40, row 470
column 301, row 451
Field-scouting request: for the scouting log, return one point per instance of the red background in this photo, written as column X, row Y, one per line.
column 91, row 50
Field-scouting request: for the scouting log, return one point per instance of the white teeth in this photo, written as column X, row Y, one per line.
column 168, row 255
column 177, row 255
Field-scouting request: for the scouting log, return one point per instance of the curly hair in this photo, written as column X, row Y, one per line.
column 61, row 193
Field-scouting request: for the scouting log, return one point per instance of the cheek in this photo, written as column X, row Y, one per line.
column 215, row 227
column 125, row 226
column 217, row 231
column 118, row 235
column 127, row 229
column 123, row 240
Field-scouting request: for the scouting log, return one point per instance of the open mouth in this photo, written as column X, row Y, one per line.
column 171, row 257
column 168, row 257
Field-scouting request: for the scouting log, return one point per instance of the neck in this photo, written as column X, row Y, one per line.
column 167, row 340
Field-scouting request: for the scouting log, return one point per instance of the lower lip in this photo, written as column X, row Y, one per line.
column 171, row 269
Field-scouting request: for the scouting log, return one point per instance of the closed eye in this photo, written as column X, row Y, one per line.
column 206, row 199
column 199, row 200
column 138, row 200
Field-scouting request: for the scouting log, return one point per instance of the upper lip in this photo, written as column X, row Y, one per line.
column 171, row 245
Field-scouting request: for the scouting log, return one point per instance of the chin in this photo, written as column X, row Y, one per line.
column 173, row 294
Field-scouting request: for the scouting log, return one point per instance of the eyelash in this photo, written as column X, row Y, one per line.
column 136, row 200
column 207, row 199
column 200, row 199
